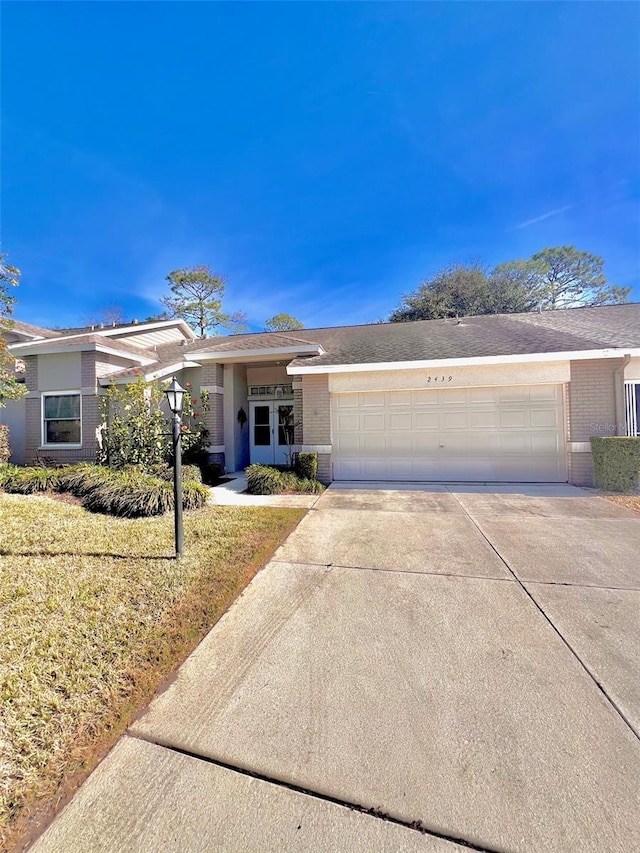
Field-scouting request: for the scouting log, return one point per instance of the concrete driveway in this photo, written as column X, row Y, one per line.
column 417, row 669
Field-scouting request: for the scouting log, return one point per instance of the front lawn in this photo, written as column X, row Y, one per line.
column 94, row 614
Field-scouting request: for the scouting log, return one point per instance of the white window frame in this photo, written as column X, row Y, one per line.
column 43, row 431
column 631, row 397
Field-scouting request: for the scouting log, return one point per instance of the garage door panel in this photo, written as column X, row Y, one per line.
column 424, row 398
column 455, row 420
column 399, row 398
column 425, row 420
column 347, row 423
column 483, row 419
column 400, row 420
column 477, row 434
column 513, row 419
column 544, row 418
column 375, row 398
column 373, row 422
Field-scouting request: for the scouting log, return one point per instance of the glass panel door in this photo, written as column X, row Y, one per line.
column 261, row 434
column 261, row 426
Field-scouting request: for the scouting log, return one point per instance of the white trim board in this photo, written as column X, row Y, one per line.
column 526, row 358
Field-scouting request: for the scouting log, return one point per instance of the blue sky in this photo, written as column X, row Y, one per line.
column 324, row 157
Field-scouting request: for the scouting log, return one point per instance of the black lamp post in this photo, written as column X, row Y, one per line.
column 175, row 397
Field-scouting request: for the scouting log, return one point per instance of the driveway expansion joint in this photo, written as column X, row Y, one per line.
column 416, row 825
column 523, row 587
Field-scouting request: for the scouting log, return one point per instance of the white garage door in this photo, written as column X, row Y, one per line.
column 462, row 434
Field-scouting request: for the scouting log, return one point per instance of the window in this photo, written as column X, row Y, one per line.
column 61, row 419
column 632, row 407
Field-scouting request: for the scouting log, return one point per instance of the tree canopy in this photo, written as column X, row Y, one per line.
column 10, row 388
column 560, row 277
column 282, row 323
column 197, row 294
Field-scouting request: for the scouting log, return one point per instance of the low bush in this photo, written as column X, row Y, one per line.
column 307, row 465
column 616, row 462
column 190, row 473
column 81, row 479
column 29, row 481
column 128, row 493
column 265, row 480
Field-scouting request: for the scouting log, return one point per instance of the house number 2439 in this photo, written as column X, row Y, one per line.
column 439, row 379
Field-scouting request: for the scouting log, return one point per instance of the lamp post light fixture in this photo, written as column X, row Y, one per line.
column 175, row 397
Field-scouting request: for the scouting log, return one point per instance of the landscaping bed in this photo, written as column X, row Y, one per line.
column 95, row 614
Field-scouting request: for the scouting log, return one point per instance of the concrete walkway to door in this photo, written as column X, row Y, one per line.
column 417, row 669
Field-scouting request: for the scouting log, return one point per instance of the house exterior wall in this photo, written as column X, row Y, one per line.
column 592, row 411
column 316, row 422
column 268, row 376
column 236, row 435
column 61, row 372
column 632, row 370
column 13, row 415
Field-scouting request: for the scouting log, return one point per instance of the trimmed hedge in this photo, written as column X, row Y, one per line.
column 307, row 465
column 265, row 480
column 5, row 448
column 126, row 493
column 616, row 463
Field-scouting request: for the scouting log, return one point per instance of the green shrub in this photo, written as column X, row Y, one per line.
column 29, row 481
column 194, row 495
column 265, row 480
column 164, row 471
column 616, row 462
column 130, row 494
column 81, row 479
column 307, row 465
column 5, row 449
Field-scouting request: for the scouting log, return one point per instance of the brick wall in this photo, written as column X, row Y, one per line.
column 592, row 410
column 316, row 415
column 316, row 420
column 297, row 411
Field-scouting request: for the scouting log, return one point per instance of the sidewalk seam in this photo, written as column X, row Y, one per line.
column 548, row 619
column 416, row 826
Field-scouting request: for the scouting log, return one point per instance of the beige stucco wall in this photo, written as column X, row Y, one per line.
column 549, row 373
column 268, row 376
column 632, row 370
column 60, row 372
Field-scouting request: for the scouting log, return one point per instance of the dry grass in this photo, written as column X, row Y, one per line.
column 94, row 614
column 630, row 501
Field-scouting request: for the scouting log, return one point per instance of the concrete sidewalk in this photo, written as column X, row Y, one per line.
column 461, row 662
column 233, row 492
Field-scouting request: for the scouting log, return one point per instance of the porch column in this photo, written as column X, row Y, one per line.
column 212, row 382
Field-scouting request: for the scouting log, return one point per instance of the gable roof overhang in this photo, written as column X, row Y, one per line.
column 127, row 376
column 298, row 368
column 256, row 355
column 58, row 345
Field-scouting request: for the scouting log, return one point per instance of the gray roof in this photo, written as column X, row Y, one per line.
column 29, row 329
column 569, row 330
column 566, row 330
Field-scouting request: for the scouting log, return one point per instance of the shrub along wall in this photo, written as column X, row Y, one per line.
column 616, row 463
column 5, row 450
